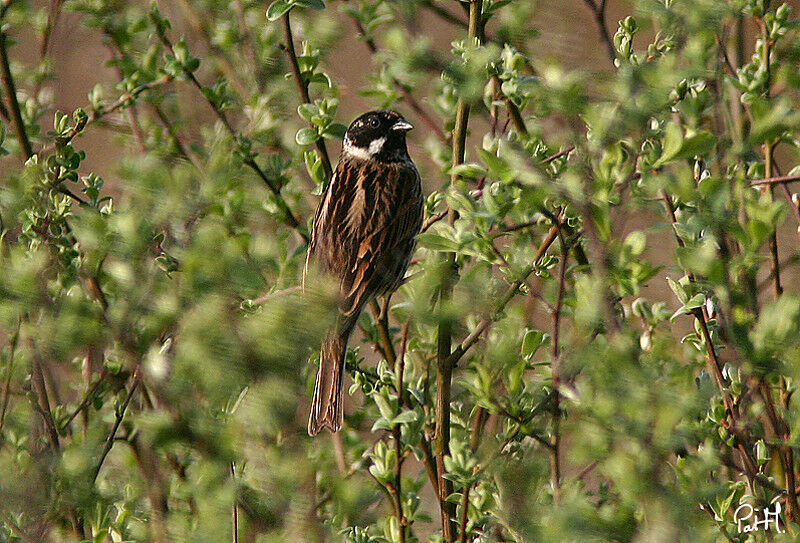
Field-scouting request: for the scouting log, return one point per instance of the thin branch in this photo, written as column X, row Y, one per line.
column 9, row 374
column 433, row 219
column 769, row 148
column 599, row 12
column 795, row 206
column 124, row 100
column 382, row 323
column 42, row 401
column 52, row 19
column 404, row 89
column 555, row 458
column 87, row 399
column 781, row 179
column 224, row 66
column 288, row 215
column 397, row 488
column 302, row 86
column 511, row 107
column 559, row 154
column 234, row 510
column 714, row 367
column 10, row 90
column 443, row 14
column 261, row 300
column 444, row 365
column 120, row 415
column 778, row 423
column 475, row 434
column 131, row 111
column 476, row 333
column 512, row 228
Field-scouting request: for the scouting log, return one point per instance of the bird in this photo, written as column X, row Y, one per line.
column 363, row 237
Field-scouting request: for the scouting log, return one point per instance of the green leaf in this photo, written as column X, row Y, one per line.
column 335, row 131
column 306, row 136
column 531, row 342
column 313, row 4
column 697, row 143
column 762, row 452
column 673, row 139
column 307, row 111
column 696, row 301
column 637, row 241
column 678, row 289
column 469, row 170
column 435, row 242
column 677, row 145
column 383, row 406
column 277, row 9
column 405, row 417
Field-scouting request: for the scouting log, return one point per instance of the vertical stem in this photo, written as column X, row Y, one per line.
column 381, row 315
column 10, row 90
column 444, row 367
column 599, row 13
column 769, row 148
column 302, row 86
column 396, row 435
column 235, row 508
column 714, row 367
column 10, row 370
column 555, row 460
column 785, row 453
column 156, row 490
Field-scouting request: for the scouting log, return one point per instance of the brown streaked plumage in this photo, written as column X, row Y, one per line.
column 363, row 235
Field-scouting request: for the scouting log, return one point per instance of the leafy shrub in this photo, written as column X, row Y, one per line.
column 599, row 338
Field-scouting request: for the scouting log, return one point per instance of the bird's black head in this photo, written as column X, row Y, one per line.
column 377, row 135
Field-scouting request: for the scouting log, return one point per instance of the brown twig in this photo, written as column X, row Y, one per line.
column 9, row 374
column 120, row 415
column 397, row 488
column 555, row 459
column 13, row 109
column 87, row 399
column 599, row 12
column 131, row 111
column 444, row 363
column 288, row 215
column 714, row 367
column 234, row 510
column 42, row 400
column 97, row 114
column 781, row 179
column 382, row 323
column 476, row 333
column 224, row 66
column 302, row 86
column 511, row 107
column 261, row 300
column 404, row 89
column 769, row 148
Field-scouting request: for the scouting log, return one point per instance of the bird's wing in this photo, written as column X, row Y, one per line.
column 365, row 228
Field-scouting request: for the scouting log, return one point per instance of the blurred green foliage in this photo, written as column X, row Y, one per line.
column 610, row 272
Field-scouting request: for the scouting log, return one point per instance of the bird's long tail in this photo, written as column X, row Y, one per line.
column 326, row 406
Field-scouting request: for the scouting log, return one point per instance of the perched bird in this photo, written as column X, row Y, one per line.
column 363, row 236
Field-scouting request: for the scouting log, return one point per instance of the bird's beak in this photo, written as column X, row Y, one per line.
column 402, row 125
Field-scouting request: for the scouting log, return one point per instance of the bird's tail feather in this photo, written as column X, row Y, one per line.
column 326, row 406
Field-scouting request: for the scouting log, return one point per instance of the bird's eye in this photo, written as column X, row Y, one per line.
column 373, row 122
